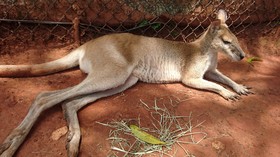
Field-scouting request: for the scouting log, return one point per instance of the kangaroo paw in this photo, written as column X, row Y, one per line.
column 6, row 149
column 73, row 143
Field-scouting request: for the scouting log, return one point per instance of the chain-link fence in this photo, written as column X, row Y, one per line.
column 25, row 21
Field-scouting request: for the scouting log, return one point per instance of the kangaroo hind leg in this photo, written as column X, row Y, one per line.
column 71, row 107
column 92, row 84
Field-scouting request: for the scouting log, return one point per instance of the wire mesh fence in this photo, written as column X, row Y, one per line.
column 25, row 21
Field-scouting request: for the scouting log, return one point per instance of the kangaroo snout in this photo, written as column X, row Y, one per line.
column 242, row 55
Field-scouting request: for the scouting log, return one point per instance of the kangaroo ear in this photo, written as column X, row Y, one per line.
column 222, row 15
column 215, row 26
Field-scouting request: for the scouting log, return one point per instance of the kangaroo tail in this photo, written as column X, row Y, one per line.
column 69, row 61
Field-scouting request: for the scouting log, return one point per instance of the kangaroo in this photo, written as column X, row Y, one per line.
column 116, row 62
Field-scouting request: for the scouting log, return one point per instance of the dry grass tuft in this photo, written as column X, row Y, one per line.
column 175, row 131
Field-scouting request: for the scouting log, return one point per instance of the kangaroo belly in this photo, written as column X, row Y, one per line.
column 158, row 70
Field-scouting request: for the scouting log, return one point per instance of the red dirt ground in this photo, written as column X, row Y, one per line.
column 248, row 127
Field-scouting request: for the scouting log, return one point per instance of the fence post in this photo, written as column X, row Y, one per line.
column 76, row 23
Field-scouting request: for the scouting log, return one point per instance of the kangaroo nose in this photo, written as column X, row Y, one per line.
column 242, row 56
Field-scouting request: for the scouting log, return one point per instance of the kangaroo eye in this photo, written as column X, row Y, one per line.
column 226, row 42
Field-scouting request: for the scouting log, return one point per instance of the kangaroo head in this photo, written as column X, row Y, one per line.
column 223, row 39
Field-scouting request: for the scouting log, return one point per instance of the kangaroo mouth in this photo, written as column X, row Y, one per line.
column 236, row 57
